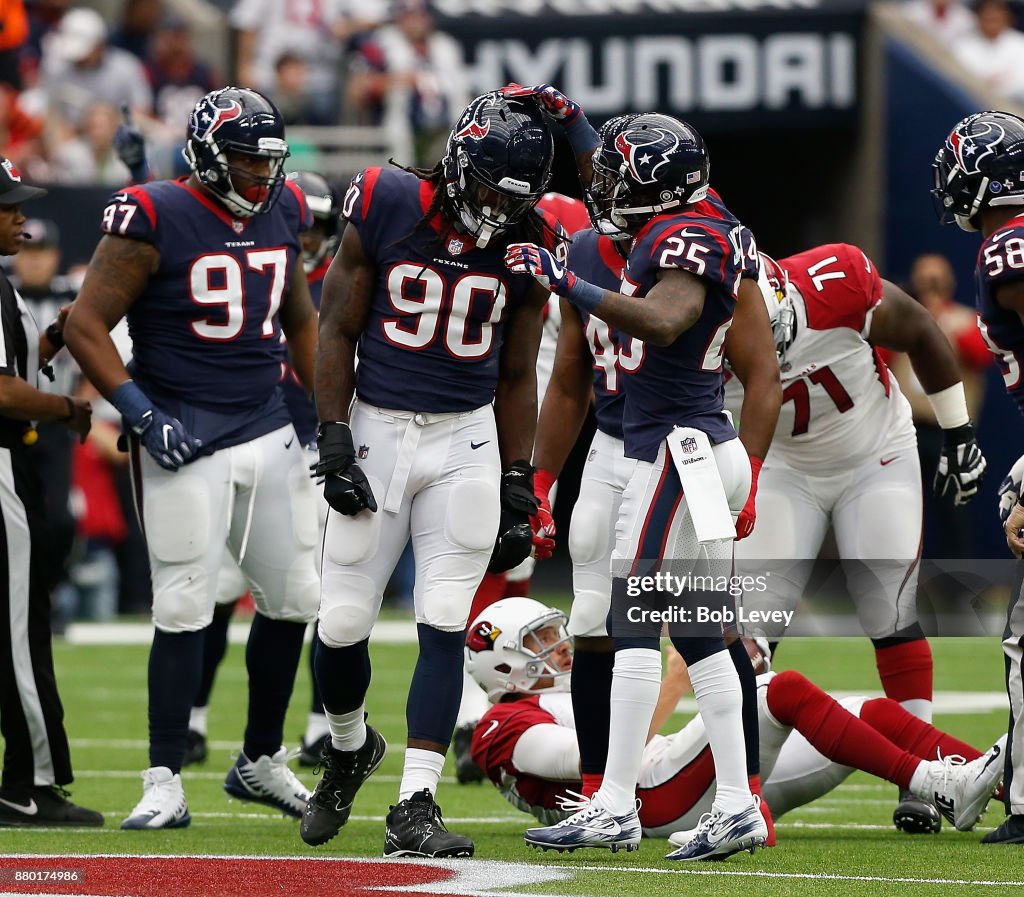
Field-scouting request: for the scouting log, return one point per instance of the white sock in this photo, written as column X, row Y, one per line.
column 197, row 719
column 716, row 686
column 474, row 701
column 348, row 730
column 636, row 681
column 919, row 707
column 422, row 769
column 919, row 780
column 316, row 728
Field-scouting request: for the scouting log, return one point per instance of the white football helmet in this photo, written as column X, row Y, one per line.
column 505, row 654
column 777, row 292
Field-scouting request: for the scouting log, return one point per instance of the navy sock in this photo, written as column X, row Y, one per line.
column 436, row 688
column 748, row 684
column 317, row 702
column 175, row 666
column 591, row 686
column 272, row 658
column 342, row 675
column 215, row 646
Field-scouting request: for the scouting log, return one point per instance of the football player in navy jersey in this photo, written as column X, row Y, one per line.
column 979, row 183
column 644, row 177
column 319, row 243
column 207, row 270
column 593, row 359
column 443, row 331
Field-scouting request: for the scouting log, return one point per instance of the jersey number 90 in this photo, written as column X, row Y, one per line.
column 430, row 308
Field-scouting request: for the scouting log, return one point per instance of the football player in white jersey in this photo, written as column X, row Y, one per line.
column 845, row 455
column 519, row 651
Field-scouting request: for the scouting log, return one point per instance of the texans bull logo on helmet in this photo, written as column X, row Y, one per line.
column 482, row 637
column 636, row 147
column 208, row 117
column 474, row 130
column 970, row 148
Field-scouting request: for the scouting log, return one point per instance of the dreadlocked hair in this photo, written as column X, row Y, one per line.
column 433, row 176
column 531, row 228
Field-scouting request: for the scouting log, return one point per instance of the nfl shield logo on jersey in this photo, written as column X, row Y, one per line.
column 688, row 445
column 364, row 450
column 455, row 246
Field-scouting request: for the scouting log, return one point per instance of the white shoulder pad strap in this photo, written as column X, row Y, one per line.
column 702, row 485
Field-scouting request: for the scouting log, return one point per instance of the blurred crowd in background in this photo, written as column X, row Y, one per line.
column 67, row 74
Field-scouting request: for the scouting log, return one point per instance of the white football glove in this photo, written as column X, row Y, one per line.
column 1009, row 489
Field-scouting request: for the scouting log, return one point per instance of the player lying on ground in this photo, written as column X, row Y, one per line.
column 518, row 650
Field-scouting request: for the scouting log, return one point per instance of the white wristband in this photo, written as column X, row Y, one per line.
column 950, row 407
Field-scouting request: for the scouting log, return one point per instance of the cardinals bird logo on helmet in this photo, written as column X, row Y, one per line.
column 482, row 637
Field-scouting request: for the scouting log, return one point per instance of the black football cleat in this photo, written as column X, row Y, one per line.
column 916, row 816
column 195, row 748
column 466, row 771
column 414, row 828
column 344, row 771
column 310, row 754
column 1010, row 832
column 44, row 805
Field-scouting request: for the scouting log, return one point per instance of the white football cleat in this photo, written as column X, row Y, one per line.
column 962, row 790
column 268, row 780
column 590, row 826
column 163, row 802
column 719, row 835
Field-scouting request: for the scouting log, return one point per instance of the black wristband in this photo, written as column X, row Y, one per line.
column 958, row 435
column 71, row 409
column 55, row 334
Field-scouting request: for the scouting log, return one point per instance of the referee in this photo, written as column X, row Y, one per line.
column 37, row 762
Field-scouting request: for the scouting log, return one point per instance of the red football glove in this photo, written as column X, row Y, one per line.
column 542, row 522
column 745, row 522
column 550, row 99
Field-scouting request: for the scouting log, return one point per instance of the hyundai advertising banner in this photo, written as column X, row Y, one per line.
column 730, row 64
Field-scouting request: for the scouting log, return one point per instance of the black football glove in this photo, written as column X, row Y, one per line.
column 345, row 486
column 518, row 504
column 961, row 465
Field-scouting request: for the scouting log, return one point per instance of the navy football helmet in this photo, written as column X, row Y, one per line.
column 497, row 164
column 981, row 164
column 646, row 164
column 323, row 203
column 240, row 120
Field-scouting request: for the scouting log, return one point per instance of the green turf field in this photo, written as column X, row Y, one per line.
column 845, row 842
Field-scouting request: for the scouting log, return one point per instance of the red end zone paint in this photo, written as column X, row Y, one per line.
column 211, row 877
